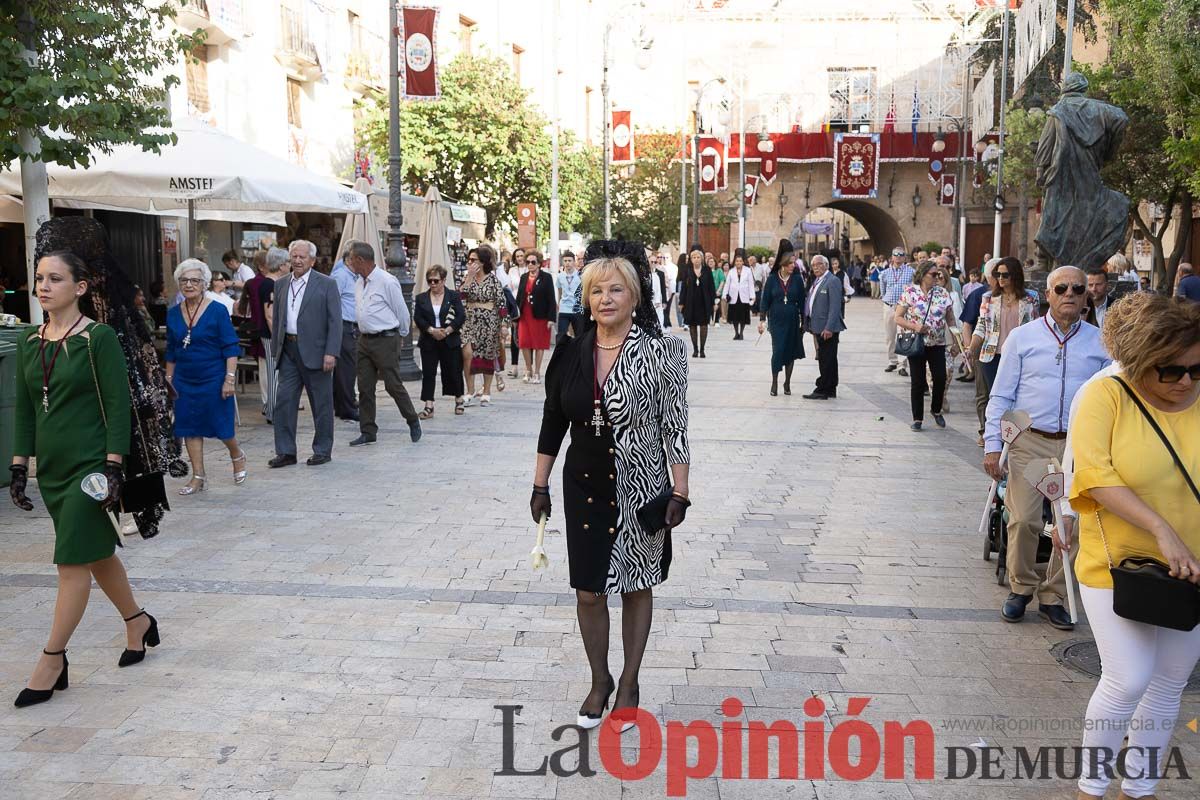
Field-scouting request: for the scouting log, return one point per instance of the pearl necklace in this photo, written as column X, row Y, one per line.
column 609, row 346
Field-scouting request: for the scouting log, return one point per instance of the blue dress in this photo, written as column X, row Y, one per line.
column 200, row 372
column 783, row 318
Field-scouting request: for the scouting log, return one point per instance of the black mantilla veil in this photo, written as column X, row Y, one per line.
column 152, row 447
column 644, row 316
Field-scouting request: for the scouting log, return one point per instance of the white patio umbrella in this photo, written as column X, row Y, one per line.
column 11, row 210
column 361, row 225
column 432, row 248
column 205, row 169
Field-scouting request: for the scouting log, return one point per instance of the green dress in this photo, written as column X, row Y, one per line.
column 72, row 439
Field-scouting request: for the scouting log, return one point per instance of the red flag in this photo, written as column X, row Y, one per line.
column 948, row 189
column 936, row 165
column 751, row 189
column 418, row 56
column 717, row 149
column 889, row 124
column 622, row 137
column 767, row 168
column 708, row 171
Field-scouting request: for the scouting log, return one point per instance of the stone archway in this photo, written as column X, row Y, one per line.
column 883, row 229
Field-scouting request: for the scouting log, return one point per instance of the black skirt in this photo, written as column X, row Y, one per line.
column 590, row 506
column 739, row 314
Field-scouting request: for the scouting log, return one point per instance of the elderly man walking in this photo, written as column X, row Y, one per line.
column 306, row 337
column 383, row 322
column 824, row 318
column 1042, row 366
column 892, row 282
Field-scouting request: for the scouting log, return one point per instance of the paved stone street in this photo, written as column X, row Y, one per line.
column 346, row 631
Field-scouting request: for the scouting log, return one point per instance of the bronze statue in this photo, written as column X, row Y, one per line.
column 1083, row 222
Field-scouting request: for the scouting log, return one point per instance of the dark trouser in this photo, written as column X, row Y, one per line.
column 827, row 362
column 514, row 347
column 344, row 403
column 436, row 353
column 294, row 376
column 984, row 375
column 379, row 358
column 935, row 358
column 566, row 322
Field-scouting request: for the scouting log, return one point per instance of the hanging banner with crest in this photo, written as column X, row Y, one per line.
column 418, row 53
column 622, row 137
column 855, row 165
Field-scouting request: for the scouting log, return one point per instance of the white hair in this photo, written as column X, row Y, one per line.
column 312, row 248
column 1050, row 277
column 194, row 265
column 276, row 258
column 817, row 258
column 989, row 266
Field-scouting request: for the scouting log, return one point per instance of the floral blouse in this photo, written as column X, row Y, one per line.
column 935, row 304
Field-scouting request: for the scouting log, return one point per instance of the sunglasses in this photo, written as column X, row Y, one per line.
column 1076, row 289
column 1000, row 275
column 434, row 281
column 1173, row 373
column 532, row 262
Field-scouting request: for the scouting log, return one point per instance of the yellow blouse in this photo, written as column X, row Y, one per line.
column 1114, row 445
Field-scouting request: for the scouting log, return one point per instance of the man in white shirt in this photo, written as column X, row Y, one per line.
column 383, row 322
column 239, row 272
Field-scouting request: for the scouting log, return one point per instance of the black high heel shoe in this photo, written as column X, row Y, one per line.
column 587, row 720
column 149, row 639
column 774, row 387
column 624, row 718
column 31, row 697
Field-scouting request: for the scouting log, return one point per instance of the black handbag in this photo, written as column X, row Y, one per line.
column 653, row 515
column 911, row 344
column 1143, row 588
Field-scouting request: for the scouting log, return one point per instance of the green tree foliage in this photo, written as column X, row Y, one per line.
column 1153, row 73
column 645, row 200
column 484, row 143
column 97, row 83
column 1022, row 129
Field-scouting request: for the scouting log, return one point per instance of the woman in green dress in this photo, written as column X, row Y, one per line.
column 780, row 308
column 72, row 415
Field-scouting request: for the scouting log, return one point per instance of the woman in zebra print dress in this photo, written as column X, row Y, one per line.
column 621, row 389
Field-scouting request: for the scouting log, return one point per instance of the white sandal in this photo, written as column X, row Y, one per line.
column 239, row 476
column 485, row 400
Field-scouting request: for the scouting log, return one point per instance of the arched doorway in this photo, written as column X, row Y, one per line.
column 881, row 230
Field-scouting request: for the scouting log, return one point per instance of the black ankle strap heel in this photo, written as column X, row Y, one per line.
column 31, row 697
column 149, row 639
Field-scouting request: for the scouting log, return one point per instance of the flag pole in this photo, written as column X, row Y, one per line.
column 998, row 203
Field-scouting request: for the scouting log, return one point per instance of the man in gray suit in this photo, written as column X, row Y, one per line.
column 825, row 319
column 307, row 337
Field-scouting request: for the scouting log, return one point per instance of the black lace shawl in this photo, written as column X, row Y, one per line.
column 644, row 316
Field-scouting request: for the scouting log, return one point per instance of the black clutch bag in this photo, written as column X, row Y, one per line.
column 1144, row 591
column 653, row 515
column 142, row 492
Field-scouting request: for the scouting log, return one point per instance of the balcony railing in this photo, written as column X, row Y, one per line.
column 221, row 20
column 293, row 35
column 364, row 62
column 197, row 7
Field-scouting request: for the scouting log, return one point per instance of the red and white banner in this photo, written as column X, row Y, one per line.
column 936, row 165
column 948, row 189
column 751, row 189
column 709, row 171
column 768, row 168
column 418, row 55
column 622, row 137
column 855, row 165
column 717, row 149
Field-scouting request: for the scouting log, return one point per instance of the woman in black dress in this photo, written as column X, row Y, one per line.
column 781, row 305
column 696, row 298
column 439, row 315
column 621, row 388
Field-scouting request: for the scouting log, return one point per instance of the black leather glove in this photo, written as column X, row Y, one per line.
column 16, row 489
column 676, row 511
column 114, row 471
column 539, row 504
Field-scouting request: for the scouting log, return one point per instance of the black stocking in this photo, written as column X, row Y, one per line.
column 695, row 341
column 787, row 375
column 703, row 337
column 592, row 611
column 637, row 610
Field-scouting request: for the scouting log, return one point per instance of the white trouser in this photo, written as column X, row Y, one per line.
column 1145, row 669
column 889, row 332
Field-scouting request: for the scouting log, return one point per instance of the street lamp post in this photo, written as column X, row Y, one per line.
column 607, row 134
column 395, row 257
column 696, row 155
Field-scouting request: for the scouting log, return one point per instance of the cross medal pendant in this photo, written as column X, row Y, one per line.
column 597, row 418
column 45, row 399
column 187, row 340
column 1058, row 358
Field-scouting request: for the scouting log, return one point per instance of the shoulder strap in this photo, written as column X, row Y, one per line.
column 1154, row 424
column 95, row 380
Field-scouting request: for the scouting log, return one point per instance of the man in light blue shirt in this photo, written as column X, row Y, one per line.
column 892, row 283
column 567, row 288
column 1043, row 364
column 345, row 404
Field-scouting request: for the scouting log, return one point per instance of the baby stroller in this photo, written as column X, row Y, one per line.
column 996, row 538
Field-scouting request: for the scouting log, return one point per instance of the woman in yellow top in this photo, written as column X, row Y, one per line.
column 1129, row 493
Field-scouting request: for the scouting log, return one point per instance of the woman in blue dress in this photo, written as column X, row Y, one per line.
column 782, row 302
column 202, row 353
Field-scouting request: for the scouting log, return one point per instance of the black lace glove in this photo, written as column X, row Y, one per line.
column 539, row 503
column 115, row 473
column 16, row 489
column 676, row 511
